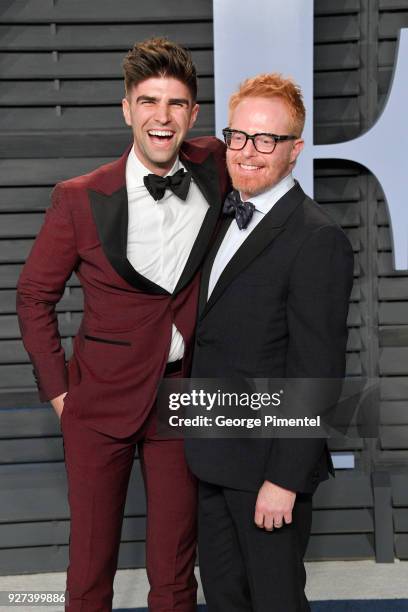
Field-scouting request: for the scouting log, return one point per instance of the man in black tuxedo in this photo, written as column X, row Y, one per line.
column 274, row 303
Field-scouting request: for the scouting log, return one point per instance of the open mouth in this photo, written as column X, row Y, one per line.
column 249, row 167
column 160, row 136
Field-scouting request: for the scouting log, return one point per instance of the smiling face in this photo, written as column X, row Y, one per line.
column 252, row 172
column 160, row 111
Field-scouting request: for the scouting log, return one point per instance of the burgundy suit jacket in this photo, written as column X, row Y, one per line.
column 121, row 348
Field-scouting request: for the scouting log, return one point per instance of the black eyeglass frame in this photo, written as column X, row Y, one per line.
column 277, row 138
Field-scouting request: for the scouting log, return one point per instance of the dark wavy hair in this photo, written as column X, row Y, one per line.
column 159, row 57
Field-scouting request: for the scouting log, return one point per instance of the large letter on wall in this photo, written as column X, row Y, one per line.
column 275, row 36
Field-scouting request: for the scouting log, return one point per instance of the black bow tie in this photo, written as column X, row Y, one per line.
column 179, row 183
column 242, row 211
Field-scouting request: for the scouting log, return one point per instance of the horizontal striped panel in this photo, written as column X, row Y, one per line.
column 28, row 423
column 384, row 239
column 347, row 490
column 345, row 444
column 55, row 558
column 394, row 437
column 345, row 214
column 83, row 118
column 58, row 65
column 13, row 351
column 331, row 84
column 394, row 388
column 401, row 546
column 72, row 300
column 400, row 519
column 391, row 23
column 386, row 265
column 343, row 521
column 9, row 275
column 77, row 11
column 393, row 288
column 384, row 76
column 31, row 450
column 393, row 313
column 353, row 341
column 383, row 217
column 336, row 111
column 56, row 533
column 339, row 56
column 386, row 53
column 24, row 199
column 106, row 37
column 40, row 172
column 330, row 133
column 83, row 143
column 393, row 335
column 38, row 491
column 354, row 316
column 14, row 251
column 18, row 226
column 340, row 547
column 394, row 413
column 77, row 93
column 356, row 291
column 322, row 7
column 393, row 361
column 67, row 323
column 334, row 28
column 337, row 189
column 77, row 144
column 11, row 399
column 399, row 486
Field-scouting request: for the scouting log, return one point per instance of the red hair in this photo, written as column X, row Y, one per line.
column 273, row 85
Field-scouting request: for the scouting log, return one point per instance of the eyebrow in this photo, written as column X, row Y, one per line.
column 171, row 100
column 179, row 101
column 146, row 99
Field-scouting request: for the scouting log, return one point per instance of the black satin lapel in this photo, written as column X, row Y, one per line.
column 110, row 213
column 206, row 177
column 261, row 237
column 208, row 264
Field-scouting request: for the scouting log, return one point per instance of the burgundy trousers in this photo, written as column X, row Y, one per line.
column 98, row 469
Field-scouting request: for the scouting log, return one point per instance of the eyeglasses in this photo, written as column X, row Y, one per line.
column 263, row 143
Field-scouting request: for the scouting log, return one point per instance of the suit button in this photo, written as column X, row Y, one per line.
column 199, row 342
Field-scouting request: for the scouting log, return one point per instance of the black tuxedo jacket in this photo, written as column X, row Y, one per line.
column 278, row 310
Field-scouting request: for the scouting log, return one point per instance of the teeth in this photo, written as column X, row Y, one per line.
column 249, row 167
column 160, row 133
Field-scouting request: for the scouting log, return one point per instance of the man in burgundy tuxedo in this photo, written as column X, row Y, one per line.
column 135, row 232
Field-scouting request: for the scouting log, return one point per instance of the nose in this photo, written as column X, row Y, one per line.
column 249, row 149
column 162, row 113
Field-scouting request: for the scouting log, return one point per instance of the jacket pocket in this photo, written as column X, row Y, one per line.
column 107, row 341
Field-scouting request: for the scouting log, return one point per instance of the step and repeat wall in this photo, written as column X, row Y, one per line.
column 60, row 116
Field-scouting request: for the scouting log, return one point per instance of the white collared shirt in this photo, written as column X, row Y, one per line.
column 235, row 237
column 161, row 234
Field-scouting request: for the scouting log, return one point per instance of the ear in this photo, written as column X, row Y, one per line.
column 126, row 111
column 194, row 113
column 299, row 143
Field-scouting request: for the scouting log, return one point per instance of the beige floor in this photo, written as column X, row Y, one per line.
column 326, row 580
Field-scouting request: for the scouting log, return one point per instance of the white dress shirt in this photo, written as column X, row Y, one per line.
column 161, row 234
column 235, row 237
